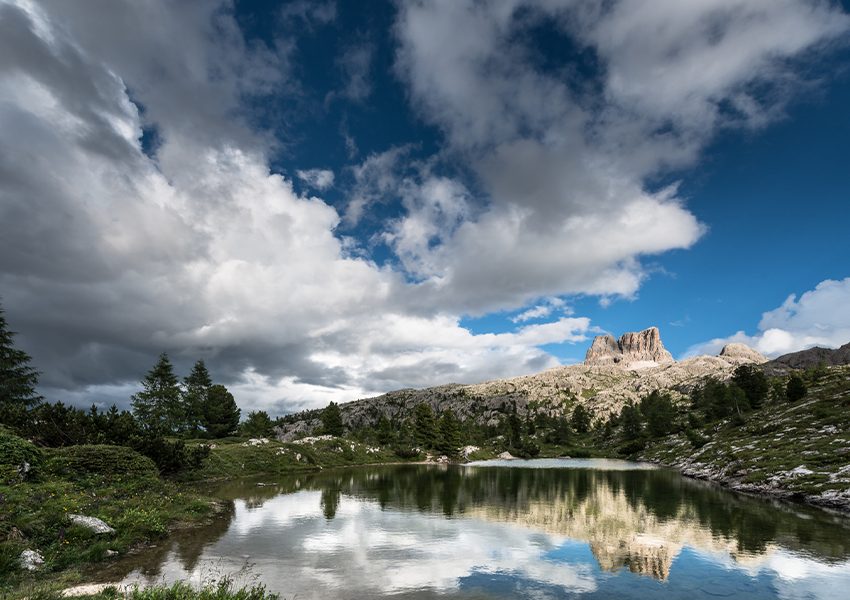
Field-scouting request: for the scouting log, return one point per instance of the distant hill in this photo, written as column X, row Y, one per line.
column 613, row 372
column 809, row 358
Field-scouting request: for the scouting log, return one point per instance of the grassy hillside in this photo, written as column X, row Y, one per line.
column 798, row 450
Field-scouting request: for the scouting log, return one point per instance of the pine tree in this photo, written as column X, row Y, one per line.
column 426, row 430
column 332, row 420
column 580, row 419
column 194, row 394
column 449, row 439
column 17, row 379
column 257, row 425
column 385, row 431
column 157, row 407
column 220, row 414
column 796, row 388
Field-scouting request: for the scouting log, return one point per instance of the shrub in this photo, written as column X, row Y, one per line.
column 13, row 452
column 632, row 447
column 105, row 460
column 696, row 440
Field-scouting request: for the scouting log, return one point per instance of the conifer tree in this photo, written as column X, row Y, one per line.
column 17, row 378
column 220, row 414
column 332, row 420
column 194, row 394
column 580, row 419
column 426, row 430
column 157, row 407
column 449, row 439
column 796, row 388
column 385, row 431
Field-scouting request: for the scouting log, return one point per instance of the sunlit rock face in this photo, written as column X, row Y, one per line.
column 635, row 350
column 741, row 353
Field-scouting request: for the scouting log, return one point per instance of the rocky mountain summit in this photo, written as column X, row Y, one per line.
column 614, row 372
column 632, row 350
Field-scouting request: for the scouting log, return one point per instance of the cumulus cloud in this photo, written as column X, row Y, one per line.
column 320, row 179
column 563, row 158
column 818, row 318
column 110, row 254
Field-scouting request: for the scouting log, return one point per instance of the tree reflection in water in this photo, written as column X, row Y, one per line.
column 639, row 520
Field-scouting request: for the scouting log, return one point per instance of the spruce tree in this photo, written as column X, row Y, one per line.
column 796, row 388
column 449, row 439
column 426, row 430
column 17, row 379
column 157, row 407
column 220, row 414
column 385, row 431
column 332, row 420
column 194, row 394
column 580, row 420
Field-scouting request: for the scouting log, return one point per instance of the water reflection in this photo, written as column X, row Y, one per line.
column 512, row 532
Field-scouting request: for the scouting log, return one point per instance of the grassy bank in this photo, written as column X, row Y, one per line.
column 797, row 450
column 114, row 484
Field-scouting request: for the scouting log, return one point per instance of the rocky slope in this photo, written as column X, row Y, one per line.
column 809, row 358
column 614, row 372
column 787, row 450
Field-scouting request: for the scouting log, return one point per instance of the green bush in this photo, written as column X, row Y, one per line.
column 104, row 460
column 13, row 452
column 632, row 447
column 696, row 440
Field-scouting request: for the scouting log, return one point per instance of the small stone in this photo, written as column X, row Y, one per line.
column 93, row 523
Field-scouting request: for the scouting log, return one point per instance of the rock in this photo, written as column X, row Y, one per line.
column 741, row 353
column 31, row 560
column 506, row 456
column 92, row 523
column 636, row 350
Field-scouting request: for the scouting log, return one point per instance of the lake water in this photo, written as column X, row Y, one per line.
column 515, row 529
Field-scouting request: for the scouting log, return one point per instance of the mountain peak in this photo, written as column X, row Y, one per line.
column 631, row 351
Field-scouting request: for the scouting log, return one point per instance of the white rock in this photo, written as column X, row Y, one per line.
column 93, row 523
column 31, row 560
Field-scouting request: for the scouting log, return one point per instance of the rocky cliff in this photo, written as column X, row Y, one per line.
column 632, row 350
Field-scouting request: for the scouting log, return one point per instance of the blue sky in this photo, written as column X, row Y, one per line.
column 328, row 200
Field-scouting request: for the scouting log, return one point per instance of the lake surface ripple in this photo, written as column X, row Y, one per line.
column 549, row 528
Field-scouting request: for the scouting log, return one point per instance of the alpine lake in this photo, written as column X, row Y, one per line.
column 548, row 528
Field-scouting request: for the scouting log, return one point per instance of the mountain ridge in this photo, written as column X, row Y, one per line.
column 611, row 375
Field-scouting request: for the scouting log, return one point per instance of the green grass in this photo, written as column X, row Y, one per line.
column 89, row 481
column 813, row 433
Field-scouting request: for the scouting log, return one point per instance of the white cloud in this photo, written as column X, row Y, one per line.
column 320, row 179
column 564, row 166
column 819, row 318
column 542, row 310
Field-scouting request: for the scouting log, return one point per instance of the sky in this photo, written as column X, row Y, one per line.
column 326, row 200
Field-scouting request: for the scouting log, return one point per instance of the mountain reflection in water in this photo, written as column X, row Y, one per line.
column 508, row 531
